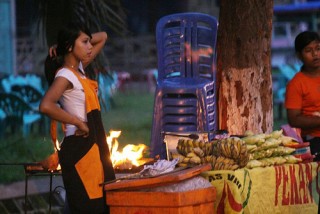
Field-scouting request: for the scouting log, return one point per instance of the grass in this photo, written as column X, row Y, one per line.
column 132, row 114
column 16, row 150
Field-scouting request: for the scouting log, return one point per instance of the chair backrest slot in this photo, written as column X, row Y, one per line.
column 186, row 45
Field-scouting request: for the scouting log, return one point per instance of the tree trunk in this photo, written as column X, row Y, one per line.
column 244, row 66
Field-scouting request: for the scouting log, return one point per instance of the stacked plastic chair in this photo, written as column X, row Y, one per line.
column 185, row 97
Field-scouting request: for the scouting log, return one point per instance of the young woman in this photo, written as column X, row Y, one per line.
column 84, row 155
column 303, row 91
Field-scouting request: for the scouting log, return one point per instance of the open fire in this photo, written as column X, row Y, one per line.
column 131, row 155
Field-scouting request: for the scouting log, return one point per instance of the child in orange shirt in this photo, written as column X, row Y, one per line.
column 303, row 91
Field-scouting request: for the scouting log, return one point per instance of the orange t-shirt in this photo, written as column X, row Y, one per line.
column 303, row 92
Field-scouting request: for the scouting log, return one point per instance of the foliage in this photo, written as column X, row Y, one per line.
column 96, row 15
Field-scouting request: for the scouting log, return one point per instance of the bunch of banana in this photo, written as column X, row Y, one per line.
column 232, row 148
column 228, row 153
column 192, row 152
column 191, row 158
column 223, row 163
column 185, row 146
column 178, row 156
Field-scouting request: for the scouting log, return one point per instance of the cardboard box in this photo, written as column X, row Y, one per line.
column 200, row 201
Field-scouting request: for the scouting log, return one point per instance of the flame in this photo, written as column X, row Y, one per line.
column 130, row 153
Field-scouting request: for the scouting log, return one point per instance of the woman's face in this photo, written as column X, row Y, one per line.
column 310, row 55
column 82, row 49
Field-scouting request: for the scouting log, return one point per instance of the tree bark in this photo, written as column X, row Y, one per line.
column 244, row 66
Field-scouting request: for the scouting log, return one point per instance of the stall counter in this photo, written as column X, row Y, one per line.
column 288, row 188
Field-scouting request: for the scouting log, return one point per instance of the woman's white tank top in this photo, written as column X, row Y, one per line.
column 72, row 100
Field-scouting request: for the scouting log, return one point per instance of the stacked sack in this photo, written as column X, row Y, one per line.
column 269, row 149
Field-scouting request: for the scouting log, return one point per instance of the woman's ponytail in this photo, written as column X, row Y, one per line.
column 51, row 65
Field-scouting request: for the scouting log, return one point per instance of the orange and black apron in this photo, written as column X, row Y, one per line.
column 85, row 162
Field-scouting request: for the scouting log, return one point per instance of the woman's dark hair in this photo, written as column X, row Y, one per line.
column 304, row 38
column 51, row 65
column 66, row 39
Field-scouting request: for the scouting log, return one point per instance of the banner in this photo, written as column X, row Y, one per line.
column 289, row 188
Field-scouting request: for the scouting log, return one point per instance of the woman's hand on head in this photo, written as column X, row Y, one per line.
column 53, row 51
column 98, row 41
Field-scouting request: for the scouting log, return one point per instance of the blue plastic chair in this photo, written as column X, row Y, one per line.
column 185, row 96
column 17, row 113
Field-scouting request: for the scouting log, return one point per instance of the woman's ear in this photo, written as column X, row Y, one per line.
column 70, row 49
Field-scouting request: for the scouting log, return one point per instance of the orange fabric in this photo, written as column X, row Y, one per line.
column 90, row 88
column 303, row 93
column 54, row 133
column 88, row 168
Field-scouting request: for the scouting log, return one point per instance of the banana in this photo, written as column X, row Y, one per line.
column 234, row 167
column 220, row 159
column 188, row 149
column 235, row 151
column 199, row 152
column 195, row 160
column 227, row 147
column 179, row 156
column 220, row 165
column 201, row 144
column 213, row 161
column 228, row 153
column 203, row 160
column 182, row 164
column 191, row 155
column 223, row 151
column 186, row 160
column 209, row 159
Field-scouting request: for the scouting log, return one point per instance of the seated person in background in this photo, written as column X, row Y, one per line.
column 303, row 91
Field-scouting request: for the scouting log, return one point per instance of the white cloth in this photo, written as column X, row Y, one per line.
column 159, row 167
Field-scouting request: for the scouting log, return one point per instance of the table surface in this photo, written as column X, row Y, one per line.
column 168, row 178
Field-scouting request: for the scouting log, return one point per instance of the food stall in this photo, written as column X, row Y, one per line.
column 255, row 173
